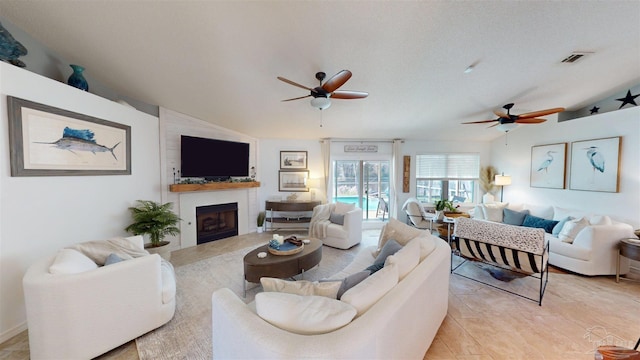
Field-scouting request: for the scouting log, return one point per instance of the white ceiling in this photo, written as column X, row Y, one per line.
column 218, row 60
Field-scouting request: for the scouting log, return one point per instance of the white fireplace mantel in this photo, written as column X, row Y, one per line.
column 190, row 200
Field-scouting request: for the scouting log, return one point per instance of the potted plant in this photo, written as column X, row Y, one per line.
column 260, row 221
column 156, row 220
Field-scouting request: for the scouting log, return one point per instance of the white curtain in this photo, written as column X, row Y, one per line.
column 396, row 162
column 325, row 150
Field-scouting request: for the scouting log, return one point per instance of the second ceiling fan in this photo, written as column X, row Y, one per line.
column 329, row 90
column 509, row 120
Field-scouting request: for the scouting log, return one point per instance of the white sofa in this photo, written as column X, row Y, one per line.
column 594, row 250
column 401, row 324
column 338, row 225
column 77, row 309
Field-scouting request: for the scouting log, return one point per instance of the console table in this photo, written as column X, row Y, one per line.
column 295, row 213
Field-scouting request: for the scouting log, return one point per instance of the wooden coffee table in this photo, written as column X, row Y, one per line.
column 280, row 266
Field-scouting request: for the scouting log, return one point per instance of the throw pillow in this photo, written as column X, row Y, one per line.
column 427, row 245
column 303, row 287
column 399, row 231
column 477, row 212
column 600, row 220
column 493, row 212
column 571, row 229
column 512, row 217
column 536, row 222
column 343, row 208
column 389, row 248
column 336, row 218
column 364, row 295
column 304, row 315
column 351, row 281
column 69, row 261
column 559, row 225
column 406, row 258
column 112, row 259
column 375, row 267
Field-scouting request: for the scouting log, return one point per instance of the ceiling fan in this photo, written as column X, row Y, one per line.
column 329, row 90
column 506, row 122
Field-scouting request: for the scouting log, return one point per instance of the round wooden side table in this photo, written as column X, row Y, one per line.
column 629, row 248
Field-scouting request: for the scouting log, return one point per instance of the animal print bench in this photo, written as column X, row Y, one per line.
column 517, row 248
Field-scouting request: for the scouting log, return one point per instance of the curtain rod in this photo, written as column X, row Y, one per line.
column 361, row 140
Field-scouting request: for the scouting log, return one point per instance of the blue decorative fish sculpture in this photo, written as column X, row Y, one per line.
column 10, row 48
column 80, row 140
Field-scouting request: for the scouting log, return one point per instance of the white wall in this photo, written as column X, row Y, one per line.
column 515, row 160
column 39, row 215
column 269, row 165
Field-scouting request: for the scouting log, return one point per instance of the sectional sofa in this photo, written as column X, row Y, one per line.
column 393, row 313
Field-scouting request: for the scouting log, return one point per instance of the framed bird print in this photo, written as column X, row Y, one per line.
column 595, row 164
column 548, row 164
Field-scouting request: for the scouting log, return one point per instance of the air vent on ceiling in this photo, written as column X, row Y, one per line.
column 575, row 56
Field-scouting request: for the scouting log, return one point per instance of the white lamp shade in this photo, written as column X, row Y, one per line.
column 507, row 127
column 502, row 180
column 320, row 102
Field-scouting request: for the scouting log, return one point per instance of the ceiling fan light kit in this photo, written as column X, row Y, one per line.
column 321, row 103
column 506, row 127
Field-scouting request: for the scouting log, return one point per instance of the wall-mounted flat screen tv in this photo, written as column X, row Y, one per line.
column 213, row 159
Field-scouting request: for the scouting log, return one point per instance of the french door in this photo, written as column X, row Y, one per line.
column 362, row 182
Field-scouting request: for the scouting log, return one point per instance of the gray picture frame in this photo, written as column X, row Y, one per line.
column 293, row 160
column 49, row 141
column 293, row 181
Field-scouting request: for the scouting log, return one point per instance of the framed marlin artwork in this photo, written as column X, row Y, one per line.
column 48, row 141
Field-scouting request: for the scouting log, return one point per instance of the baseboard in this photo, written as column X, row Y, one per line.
column 5, row 336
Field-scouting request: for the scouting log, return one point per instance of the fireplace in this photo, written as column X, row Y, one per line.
column 215, row 222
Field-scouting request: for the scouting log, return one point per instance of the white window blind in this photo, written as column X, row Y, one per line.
column 448, row 166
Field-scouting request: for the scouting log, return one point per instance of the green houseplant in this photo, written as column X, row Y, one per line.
column 153, row 219
column 260, row 220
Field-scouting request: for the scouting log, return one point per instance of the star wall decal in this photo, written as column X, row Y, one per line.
column 594, row 110
column 629, row 99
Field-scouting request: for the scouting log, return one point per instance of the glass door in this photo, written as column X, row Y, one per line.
column 363, row 183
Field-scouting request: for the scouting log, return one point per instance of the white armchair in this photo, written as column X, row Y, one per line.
column 416, row 214
column 338, row 224
column 82, row 310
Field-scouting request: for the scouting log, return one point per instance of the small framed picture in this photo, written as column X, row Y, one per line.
column 290, row 160
column 293, row 181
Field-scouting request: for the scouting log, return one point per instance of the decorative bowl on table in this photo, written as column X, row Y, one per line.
column 285, row 248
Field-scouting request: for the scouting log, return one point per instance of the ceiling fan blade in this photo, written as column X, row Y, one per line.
column 530, row 121
column 501, row 114
column 534, row 114
column 494, row 125
column 297, row 98
column 294, row 83
column 348, row 94
column 336, row 81
column 481, row 121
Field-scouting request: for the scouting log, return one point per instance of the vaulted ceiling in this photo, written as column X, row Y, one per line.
column 218, row 60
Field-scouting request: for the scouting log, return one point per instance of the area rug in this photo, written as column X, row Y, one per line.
column 188, row 334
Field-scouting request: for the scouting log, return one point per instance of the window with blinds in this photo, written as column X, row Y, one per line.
column 447, row 176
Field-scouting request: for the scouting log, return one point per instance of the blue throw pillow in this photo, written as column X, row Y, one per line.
column 536, row 222
column 375, row 267
column 336, row 218
column 512, row 217
column 112, row 259
column 556, row 229
column 389, row 248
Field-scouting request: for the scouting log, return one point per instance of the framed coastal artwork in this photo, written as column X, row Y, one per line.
column 293, row 181
column 48, row 141
column 548, row 166
column 595, row 164
column 292, row 160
